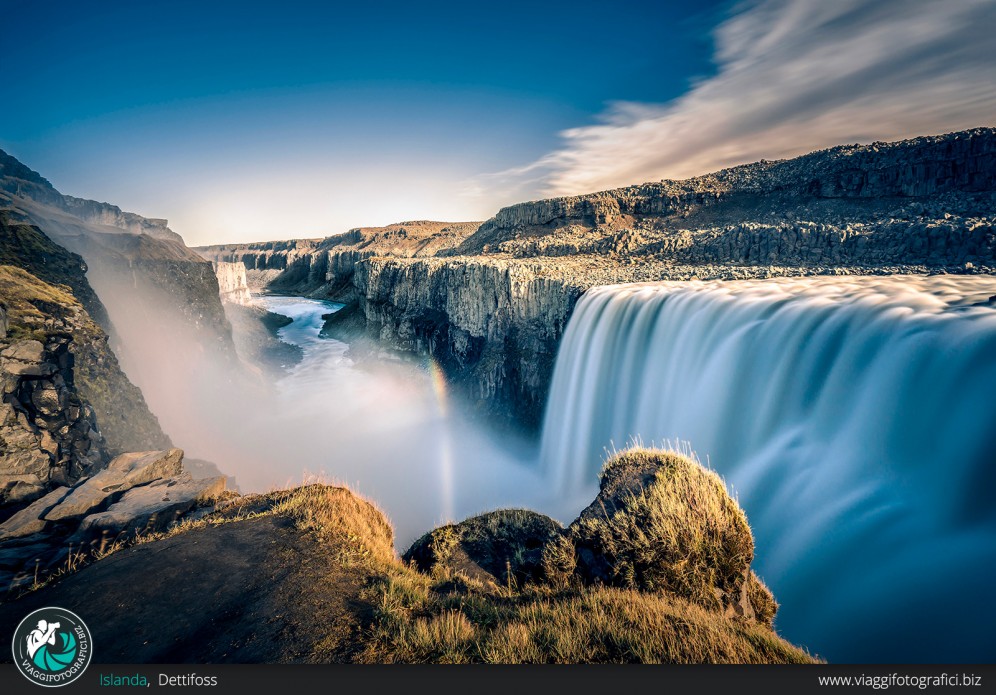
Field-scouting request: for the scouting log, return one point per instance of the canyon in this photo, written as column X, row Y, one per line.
column 490, row 302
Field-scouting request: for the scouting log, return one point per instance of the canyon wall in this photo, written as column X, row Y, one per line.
column 838, row 185
column 121, row 250
column 325, row 267
column 492, row 324
column 232, row 286
column 20, row 182
column 495, row 318
column 66, row 406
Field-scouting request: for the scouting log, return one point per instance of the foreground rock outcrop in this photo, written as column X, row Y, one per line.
column 136, row 493
column 504, row 547
column 310, row 575
column 661, row 524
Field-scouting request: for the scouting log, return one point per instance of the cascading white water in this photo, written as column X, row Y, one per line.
column 855, row 420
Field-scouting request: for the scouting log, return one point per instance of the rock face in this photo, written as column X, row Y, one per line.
column 19, row 181
column 48, row 430
column 833, row 189
column 492, row 324
column 272, row 264
column 143, row 273
column 48, row 434
column 232, row 285
column 125, row 419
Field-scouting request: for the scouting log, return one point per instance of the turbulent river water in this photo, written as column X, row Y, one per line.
column 854, row 419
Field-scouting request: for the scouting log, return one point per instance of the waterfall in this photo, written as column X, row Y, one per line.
column 854, row 418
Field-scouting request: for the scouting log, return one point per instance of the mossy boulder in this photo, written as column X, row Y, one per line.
column 502, row 547
column 661, row 523
column 664, row 523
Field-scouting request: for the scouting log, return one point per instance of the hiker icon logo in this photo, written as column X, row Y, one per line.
column 52, row 647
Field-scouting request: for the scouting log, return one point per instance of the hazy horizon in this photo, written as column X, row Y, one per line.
column 246, row 122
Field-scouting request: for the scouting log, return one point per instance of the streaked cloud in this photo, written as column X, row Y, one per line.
column 793, row 76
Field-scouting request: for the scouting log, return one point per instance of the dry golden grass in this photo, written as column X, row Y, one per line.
column 444, row 616
column 675, row 545
column 357, row 528
column 19, row 288
column 419, row 620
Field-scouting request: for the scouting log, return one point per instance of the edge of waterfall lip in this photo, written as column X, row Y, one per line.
column 967, row 291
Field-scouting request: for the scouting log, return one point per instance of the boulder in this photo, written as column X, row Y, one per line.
column 663, row 523
column 501, row 547
column 17, row 489
column 24, row 351
column 146, row 466
column 26, row 358
column 30, row 519
column 123, row 473
column 152, row 507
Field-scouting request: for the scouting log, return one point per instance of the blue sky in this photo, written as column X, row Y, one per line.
column 246, row 121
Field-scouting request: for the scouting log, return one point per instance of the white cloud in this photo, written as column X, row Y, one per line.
column 793, row 76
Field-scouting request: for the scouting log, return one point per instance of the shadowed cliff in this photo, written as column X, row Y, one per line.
column 126, row 424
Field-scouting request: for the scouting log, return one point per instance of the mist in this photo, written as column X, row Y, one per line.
column 389, row 429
